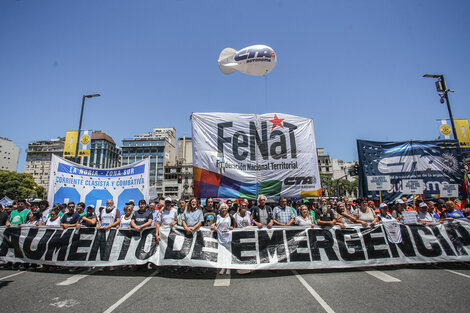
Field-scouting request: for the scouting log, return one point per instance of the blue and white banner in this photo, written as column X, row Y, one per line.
column 430, row 165
column 74, row 182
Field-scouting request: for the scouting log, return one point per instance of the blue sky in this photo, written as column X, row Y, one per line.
column 355, row 67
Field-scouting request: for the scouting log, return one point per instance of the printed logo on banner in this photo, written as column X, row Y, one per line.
column 243, row 155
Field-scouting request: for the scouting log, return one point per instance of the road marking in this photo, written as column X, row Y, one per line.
column 222, row 280
column 383, row 277
column 75, row 278
column 313, row 293
column 130, row 293
column 12, row 275
column 453, row 272
column 68, row 303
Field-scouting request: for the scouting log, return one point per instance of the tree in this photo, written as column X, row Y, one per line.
column 19, row 185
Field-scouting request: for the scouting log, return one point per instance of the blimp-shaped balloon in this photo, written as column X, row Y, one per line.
column 255, row 60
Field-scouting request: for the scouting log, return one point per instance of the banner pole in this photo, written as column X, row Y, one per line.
column 380, row 194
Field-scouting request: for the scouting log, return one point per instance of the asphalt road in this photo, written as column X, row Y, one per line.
column 423, row 288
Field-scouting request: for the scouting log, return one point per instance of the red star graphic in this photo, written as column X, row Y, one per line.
column 276, row 122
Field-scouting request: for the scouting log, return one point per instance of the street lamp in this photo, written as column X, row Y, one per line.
column 80, row 124
column 441, row 88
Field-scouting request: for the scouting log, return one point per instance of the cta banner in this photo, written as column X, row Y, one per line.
column 432, row 163
column 74, row 182
column 250, row 248
column 244, row 155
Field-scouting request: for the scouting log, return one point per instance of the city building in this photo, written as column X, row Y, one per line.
column 341, row 169
column 324, row 162
column 38, row 159
column 9, row 154
column 159, row 146
column 178, row 178
column 104, row 153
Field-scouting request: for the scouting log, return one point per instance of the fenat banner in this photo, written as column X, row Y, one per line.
column 250, row 248
column 244, row 155
column 436, row 163
column 74, row 182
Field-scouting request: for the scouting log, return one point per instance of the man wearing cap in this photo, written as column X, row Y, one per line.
column 167, row 218
column 424, row 216
column 383, row 214
column 398, row 213
column 109, row 216
column 89, row 219
column 142, row 218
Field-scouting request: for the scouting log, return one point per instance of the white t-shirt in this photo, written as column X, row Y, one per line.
column 243, row 221
column 224, row 234
column 125, row 222
column 299, row 220
column 45, row 215
column 167, row 217
column 52, row 223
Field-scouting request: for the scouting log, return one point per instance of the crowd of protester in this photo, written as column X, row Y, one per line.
column 223, row 217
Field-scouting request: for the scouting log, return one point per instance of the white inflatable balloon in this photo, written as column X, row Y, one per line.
column 255, row 60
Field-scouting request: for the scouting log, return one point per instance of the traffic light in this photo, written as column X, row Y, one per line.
column 356, row 169
column 179, row 179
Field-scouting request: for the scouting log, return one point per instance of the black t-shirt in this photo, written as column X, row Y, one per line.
column 69, row 218
column 209, row 217
column 328, row 217
column 142, row 218
column 3, row 218
column 86, row 224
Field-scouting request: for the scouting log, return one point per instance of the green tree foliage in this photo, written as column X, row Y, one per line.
column 19, row 185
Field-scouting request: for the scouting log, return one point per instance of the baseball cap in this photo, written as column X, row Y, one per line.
column 383, row 205
column 168, row 199
column 399, row 201
column 422, row 205
column 130, row 202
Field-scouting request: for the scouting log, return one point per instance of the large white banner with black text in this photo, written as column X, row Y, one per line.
column 251, row 248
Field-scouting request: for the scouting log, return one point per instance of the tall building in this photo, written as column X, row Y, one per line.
column 38, row 159
column 104, row 153
column 341, row 169
column 324, row 162
column 178, row 178
column 159, row 146
column 9, row 154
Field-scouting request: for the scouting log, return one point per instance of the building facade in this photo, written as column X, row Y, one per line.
column 159, row 146
column 178, row 178
column 342, row 169
column 104, row 153
column 38, row 159
column 324, row 162
column 9, row 154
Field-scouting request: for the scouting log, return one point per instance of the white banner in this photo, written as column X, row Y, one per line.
column 243, row 155
column 250, row 248
column 377, row 183
column 72, row 182
column 413, row 186
column 449, row 191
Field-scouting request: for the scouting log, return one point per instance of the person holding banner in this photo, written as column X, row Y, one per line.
column 142, row 217
column 180, row 212
column 110, row 216
column 71, row 218
column 192, row 217
column 424, row 216
column 325, row 216
column 125, row 222
column 342, row 216
column 54, row 220
column 20, row 215
column 384, row 214
column 304, row 219
column 243, row 216
column 89, row 219
column 167, row 218
column 400, row 208
column 365, row 215
column 262, row 214
column 450, row 213
column 282, row 214
column 223, row 226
